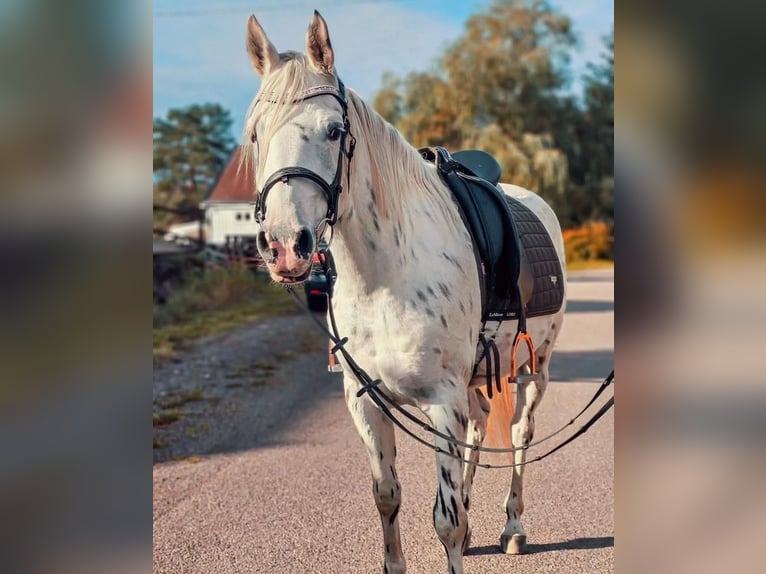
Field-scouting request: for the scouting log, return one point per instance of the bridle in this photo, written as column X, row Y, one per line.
column 332, row 190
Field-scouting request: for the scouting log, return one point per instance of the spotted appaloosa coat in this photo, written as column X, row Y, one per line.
column 407, row 294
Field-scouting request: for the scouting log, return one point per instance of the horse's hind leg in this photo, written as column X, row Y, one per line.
column 377, row 434
column 478, row 409
column 528, row 397
column 450, row 516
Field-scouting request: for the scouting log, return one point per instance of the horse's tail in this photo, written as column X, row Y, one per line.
column 501, row 409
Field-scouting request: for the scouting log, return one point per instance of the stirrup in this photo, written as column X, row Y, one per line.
column 523, row 378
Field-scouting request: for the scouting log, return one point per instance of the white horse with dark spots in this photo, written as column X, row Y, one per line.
column 407, row 293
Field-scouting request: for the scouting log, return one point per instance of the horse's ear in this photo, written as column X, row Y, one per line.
column 318, row 46
column 263, row 55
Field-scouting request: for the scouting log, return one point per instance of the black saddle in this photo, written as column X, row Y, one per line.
column 480, row 163
column 519, row 264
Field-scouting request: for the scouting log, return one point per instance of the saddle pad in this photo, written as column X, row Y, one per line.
column 541, row 260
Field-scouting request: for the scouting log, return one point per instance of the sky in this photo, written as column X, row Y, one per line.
column 199, row 45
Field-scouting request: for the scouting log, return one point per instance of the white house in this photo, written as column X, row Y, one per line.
column 229, row 206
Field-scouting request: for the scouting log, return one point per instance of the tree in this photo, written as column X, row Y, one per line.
column 598, row 136
column 509, row 65
column 495, row 88
column 388, row 100
column 431, row 117
column 191, row 146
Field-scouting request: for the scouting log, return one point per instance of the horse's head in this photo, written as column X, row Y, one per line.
column 299, row 131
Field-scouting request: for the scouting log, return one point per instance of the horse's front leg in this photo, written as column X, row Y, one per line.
column 450, row 515
column 377, row 433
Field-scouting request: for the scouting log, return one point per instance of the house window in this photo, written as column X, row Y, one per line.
column 247, row 216
column 238, row 216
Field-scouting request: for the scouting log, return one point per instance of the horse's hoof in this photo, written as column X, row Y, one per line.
column 514, row 544
column 467, row 541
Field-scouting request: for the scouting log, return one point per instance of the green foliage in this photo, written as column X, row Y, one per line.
column 212, row 290
column 498, row 87
column 598, row 137
column 213, row 302
column 191, row 146
column 429, row 115
column 388, row 101
column 508, row 65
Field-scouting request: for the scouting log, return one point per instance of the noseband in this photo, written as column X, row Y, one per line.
column 332, row 190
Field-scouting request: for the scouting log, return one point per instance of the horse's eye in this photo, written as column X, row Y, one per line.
column 335, row 133
column 253, row 137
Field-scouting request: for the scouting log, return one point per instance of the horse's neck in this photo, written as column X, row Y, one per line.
column 364, row 247
column 373, row 251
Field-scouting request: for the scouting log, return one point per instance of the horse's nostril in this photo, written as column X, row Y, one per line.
column 261, row 238
column 263, row 244
column 304, row 243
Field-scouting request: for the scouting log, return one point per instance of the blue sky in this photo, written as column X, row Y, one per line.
column 199, row 46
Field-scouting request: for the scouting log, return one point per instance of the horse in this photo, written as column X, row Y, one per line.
column 407, row 293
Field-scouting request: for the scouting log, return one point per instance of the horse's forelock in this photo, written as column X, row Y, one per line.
column 270, row 107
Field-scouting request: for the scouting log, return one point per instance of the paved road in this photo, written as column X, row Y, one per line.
column 293, row 495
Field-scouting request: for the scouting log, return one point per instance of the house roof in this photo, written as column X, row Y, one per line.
column 233, row 184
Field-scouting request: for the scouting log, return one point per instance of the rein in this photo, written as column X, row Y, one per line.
column 371, row 387
column 382, row 399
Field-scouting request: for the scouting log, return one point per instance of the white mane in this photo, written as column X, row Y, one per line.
column 395, row 167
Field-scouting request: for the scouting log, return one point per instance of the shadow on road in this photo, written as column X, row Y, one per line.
column 573, row 544
column 589, row 306
column 568, row 366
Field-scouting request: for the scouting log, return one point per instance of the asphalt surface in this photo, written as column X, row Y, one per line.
column 279, row 481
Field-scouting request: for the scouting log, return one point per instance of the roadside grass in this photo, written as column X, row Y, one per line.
column 178, row 399
column 213, row 303
column 166, row 417
column 259, row 373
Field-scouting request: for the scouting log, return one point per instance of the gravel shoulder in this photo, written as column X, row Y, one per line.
column 230, row 392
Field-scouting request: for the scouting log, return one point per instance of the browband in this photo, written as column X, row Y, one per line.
column 339, row 93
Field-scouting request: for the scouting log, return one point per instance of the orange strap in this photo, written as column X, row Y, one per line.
column 333, row 364
column 333, row 361
column 523, row 336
